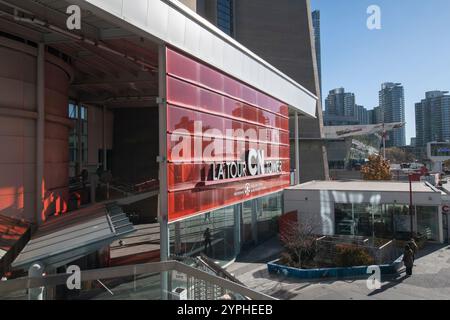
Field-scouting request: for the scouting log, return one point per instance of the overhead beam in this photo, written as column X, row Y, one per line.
column 8, row 26
column 104, row 34
column 140, row 79
column 112, row 64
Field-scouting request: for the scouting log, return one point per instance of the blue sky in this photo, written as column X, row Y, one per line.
column 412, row 47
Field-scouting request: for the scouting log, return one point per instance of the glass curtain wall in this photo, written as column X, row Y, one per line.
column 78, row 135
column 268, row 212
column 380, row 221
column 222, row 234
column 427, row 222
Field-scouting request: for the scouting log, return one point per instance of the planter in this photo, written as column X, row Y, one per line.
column 320, row 273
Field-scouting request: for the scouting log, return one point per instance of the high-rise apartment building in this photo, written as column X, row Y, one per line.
column 362, row 114
column 433, row 118
column 375, row 116
column 316, row 27
column 341, row 109
column 392, row 104
column 340, row 103
column 281, row 32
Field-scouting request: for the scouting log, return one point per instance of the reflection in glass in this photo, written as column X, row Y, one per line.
column 427, row 222
column 231, row 230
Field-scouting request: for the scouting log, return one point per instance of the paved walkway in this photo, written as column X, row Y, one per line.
column 430, row 280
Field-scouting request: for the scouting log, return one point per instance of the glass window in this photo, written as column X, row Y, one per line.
column 363, row 219
column 269, row 211
column 211, row 233
column 401, row 220
column 427, row 222
column 382, row 222
column 73, row 111
column 188, row 237
column 78, row 135
column 246, row 225
column 344, row 220
column 225, row 16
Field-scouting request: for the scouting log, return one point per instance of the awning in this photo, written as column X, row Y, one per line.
column 66, row 238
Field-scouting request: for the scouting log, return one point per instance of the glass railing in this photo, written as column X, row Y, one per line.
column 170, row 280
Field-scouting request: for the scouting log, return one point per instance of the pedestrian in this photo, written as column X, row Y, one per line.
column 408, row 260
column 207, row 240
column 414, row 247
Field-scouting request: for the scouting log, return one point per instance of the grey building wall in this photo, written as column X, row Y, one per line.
column 281, row 32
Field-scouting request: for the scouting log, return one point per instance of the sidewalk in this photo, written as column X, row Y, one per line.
column 430, row 280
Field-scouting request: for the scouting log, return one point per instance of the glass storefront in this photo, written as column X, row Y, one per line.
column 222, row 234
column 385, row 220
column 427, row 222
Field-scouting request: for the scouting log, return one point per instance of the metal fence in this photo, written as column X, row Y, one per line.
column 198, row 284
column 327, row 248
column 198, row 289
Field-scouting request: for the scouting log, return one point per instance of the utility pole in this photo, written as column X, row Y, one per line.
column 384, row 142
column 411, row 204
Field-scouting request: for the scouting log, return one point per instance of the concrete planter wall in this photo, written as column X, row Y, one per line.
column 275, row 268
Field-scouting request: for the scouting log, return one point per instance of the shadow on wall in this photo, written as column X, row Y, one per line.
column 18, row 202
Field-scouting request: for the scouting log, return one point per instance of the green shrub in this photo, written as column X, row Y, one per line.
column 350, row 256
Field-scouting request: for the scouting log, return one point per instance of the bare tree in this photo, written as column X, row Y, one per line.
column 299, row 240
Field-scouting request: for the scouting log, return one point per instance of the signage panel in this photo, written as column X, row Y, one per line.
column 226, row 142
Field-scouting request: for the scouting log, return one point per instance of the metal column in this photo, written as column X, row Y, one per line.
column 36, row 271
column 297, row 151
column 255, row 212
column 237, row 228
column 40, row 132
column 79, row 138
column 162, row 159
column 105, row 166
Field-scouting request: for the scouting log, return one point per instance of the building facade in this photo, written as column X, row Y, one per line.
column 433, row 118
column 341, row 109
column 316, row 27
column 180, row 124
column 392, row 104
column 370, row 209
column 281, row 32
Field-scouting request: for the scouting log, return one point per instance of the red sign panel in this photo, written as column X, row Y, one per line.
column 226, row 141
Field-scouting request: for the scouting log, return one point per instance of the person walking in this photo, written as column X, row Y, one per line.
column 408, row 260
column 414, row 247
column 207, row 240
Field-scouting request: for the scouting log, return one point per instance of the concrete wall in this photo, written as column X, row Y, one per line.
column 18, row 114
column 317, row 206
column 281, row 33
column 278, row 31
column 192, row 4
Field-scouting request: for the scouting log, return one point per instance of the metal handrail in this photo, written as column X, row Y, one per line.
column 14, row 285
